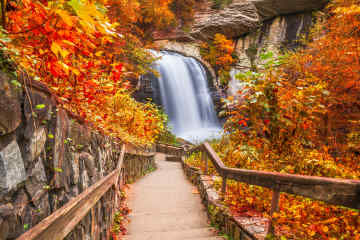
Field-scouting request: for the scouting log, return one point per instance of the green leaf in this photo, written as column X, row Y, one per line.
column 26, row 226
column 267, row 55
column 40, row 106
column 15, row 83
column 79, row 146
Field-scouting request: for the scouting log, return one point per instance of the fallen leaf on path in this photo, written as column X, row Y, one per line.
column 195, row 191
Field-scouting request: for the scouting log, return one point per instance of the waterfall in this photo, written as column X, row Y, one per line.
column 185, row 97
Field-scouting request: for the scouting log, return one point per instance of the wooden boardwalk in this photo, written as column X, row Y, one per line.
column 166, row 206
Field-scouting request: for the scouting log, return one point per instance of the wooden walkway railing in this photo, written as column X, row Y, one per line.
column 331, row 190
column 59, row 224
column 335, row 191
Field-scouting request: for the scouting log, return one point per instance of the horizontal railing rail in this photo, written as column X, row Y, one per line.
column 335, row 191
column 60, row 223
column 169, row 149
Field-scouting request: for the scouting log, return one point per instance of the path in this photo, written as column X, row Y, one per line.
column 165, row 207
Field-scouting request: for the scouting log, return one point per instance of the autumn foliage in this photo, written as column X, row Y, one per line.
column 88, row 53
column 220, row 54
column 300, row 114
column 184, row 11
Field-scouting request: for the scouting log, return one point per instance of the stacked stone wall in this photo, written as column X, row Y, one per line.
column 48, row 156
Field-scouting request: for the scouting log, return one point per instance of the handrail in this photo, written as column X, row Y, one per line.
column 60, row 223
column 173, row 150
column 335, row 191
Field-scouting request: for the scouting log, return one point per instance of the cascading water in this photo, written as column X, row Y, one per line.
column 185, row 96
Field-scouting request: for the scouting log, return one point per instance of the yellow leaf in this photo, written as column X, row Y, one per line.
column 64, row 67
column 56, row 49
column 311, row 233
column 325, row 229
column 65, row 16
column 75, row 71
column 98, row 54
column 68, row 42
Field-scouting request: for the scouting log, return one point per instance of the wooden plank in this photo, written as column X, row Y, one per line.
column 170, row 146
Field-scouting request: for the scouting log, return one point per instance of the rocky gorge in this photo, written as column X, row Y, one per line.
column 254, row 26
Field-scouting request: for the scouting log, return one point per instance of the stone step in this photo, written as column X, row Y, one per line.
column 194, row 233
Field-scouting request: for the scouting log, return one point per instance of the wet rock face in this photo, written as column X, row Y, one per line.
column 276, row 35
column 242, row 17
column 280, row 33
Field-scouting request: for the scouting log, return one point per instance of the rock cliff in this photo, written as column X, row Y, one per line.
column 254, row 25
column 238, row 18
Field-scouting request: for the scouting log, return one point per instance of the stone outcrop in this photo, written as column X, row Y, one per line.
column 268, row 9
column 233, row 21
column 47, row 157
column 243, row 16
column 275, row 35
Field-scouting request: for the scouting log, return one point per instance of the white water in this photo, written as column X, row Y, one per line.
column 235, row 84
column 185, row 96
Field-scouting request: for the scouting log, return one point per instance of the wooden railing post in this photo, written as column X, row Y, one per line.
column 205, row 160
column 275, row 201
column 223, row 186
column 274, row 208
